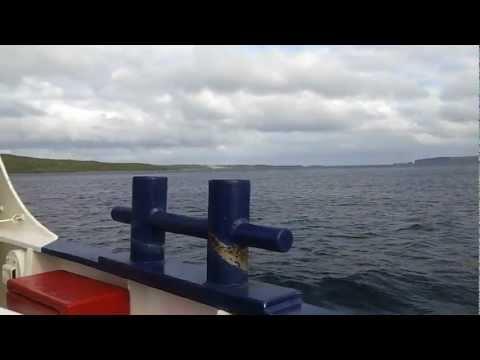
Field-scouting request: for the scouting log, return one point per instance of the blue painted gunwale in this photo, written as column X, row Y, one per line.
column 188, row 281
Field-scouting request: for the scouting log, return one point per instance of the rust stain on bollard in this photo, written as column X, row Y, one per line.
column 233, row 255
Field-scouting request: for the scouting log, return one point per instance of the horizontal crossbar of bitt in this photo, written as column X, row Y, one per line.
column 244, row 234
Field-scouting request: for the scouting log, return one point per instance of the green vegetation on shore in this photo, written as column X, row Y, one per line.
column 24, row 164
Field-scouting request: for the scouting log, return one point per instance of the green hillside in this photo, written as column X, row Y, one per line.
column 24, row 164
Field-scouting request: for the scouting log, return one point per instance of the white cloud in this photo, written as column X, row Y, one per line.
column 229, row 104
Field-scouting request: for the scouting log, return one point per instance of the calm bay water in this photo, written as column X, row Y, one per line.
column 367, row 240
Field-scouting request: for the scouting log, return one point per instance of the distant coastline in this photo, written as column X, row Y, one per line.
column 447, row 161
column 25, row 164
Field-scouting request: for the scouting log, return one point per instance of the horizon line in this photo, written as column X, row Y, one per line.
column 241, row 164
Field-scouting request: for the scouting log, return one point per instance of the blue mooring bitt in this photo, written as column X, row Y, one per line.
column 227, row 229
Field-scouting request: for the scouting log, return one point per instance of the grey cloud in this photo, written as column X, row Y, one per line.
column 231, row 70
column 18, row 110
column 226, row 73
column 462, row 86
column 288, row 114
column 233, row 104
column 459, row 112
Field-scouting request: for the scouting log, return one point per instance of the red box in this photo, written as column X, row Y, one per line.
column 64, row 293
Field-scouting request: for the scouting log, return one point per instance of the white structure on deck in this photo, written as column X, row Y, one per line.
column 17, row 226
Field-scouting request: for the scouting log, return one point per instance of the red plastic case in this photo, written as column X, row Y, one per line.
column 65, row 293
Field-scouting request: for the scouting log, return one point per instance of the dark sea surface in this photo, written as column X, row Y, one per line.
column 401, row 240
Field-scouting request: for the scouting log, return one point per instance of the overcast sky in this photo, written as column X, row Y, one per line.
column 240, row 104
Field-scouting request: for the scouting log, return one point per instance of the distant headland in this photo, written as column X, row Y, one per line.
column 447, row 161
column 25, row 164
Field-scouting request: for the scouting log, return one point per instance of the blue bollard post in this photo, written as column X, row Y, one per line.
column 147, row 241
column 228, row 206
